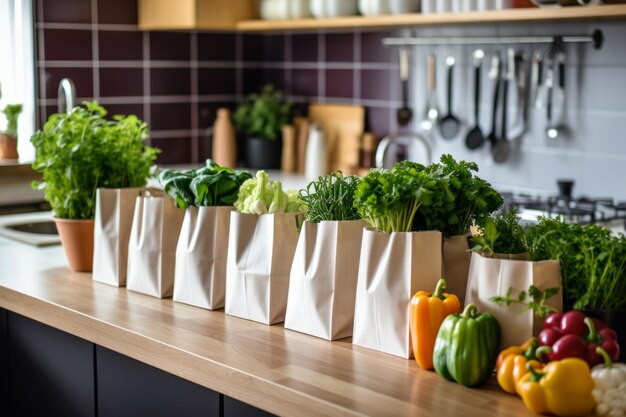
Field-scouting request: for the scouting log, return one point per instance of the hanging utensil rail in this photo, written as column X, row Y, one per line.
column 596, row 38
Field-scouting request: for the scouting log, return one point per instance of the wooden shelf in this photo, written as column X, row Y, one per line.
column 566, row 14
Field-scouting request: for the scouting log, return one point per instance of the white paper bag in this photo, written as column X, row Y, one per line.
column 152, row 246
column 200, row 272
column 322, row 283
column 113, row 220
column 392, row 268
column 456, row 262
column 260, row 253
column 490, row 277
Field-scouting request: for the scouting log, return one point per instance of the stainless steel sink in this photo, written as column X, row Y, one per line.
column 40, row 228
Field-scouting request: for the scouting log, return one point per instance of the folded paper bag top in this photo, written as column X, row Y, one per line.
column 392, row 268
column 260, row 254
column 322, row 284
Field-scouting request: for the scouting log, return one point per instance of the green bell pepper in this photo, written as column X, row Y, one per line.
column 466, row 347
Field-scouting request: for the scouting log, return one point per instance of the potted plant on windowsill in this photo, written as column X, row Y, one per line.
column 8, row 138
column 260, row 117
column 78, row 152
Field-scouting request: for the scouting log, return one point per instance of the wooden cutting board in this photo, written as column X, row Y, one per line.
column 343, row 126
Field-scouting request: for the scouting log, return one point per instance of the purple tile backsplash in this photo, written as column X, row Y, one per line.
column 176, row 81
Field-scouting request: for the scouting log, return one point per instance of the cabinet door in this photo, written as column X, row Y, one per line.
column 4, row 360
column 127, row 387
column 52, row 372
column 234, row 408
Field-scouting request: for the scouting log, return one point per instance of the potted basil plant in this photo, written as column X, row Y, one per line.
column 77, row 153
column 260, row 117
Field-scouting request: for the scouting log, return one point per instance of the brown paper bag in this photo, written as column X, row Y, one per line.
column 492, row 276
column 200, row 271
column 114, row 215
column 260, row 253
column 456, row 262
column 392, row 268
column 152, row 245
column 322, row 283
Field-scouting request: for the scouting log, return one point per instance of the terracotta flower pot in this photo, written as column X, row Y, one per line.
column 8, row 147
column 77, row 239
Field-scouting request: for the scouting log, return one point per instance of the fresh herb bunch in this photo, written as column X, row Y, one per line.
column 473, row 199
column 593, row 262
column 211, row 185
column 80, row 151
column 12, row 112
column 263, row 114
column 331, row 198
column 537, row 301
column 501, row 233
column 390, row 199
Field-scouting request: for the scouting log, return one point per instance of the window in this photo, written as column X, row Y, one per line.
column 17, row 69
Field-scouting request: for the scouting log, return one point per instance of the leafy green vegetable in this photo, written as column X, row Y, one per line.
column 263, row 114
column 259, row 195
column 80, row 151
column 211, row 185
column 537, row 302
column 501, row 233
column 12, row 112
column 331, row 198
column 390, row 199
column 593, row 262
column 472, row 199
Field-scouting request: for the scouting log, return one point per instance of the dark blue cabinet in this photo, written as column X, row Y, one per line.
column 44, row 371
column 52, row 372
column 234, row 408
column 5, row 394
column 127, row 387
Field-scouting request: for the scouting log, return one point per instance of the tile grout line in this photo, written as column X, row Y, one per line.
column 154, row 99
column 195, row 140
column 42, row 68
column 321, row 70
column 146, row 79
column 95, row 51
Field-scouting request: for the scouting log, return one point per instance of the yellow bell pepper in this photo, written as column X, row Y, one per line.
column 563, row 388
column 514, row 350
column 513, row 369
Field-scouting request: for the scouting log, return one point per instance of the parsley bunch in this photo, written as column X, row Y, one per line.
column 473, row 199
column 390, row 199
column 80, row 151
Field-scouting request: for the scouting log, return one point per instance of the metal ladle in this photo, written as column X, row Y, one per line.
column 404, row 114
column 554, row 130
column 475, row 137
column 449, row 126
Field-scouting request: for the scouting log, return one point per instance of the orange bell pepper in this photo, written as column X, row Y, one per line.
column 427, row 313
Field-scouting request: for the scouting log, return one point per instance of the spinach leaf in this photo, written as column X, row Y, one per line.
column 211, row 185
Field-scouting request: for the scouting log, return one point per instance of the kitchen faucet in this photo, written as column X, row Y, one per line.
column 388, row 140
column 66, row 95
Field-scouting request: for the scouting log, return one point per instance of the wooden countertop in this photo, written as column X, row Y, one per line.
column 280, row 371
